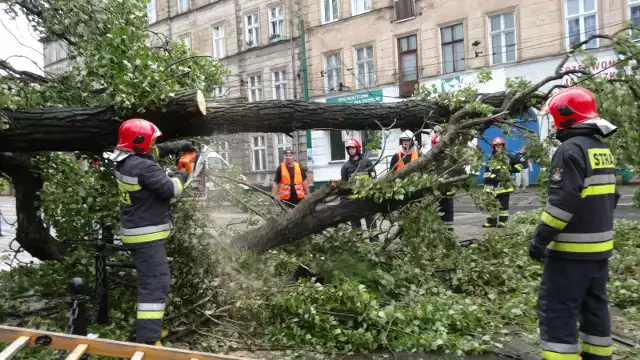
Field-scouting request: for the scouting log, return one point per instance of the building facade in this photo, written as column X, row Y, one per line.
column 258, row 41
column 379, row 50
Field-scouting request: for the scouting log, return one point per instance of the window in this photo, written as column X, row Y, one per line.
column 276, row 23
column 186, row 39
column 502, row 37
column 408, row 61
column 279, row 80
column 220, row 91
column 223, row 149
column 404, row 9
column 259, row 153
column 255, row 88
column 452, row 39
column 183, row 5
column 218, row 41
column 281, row 141
column 151, row 11
column 581, row 22
column 330, row 11
column 332, row 72
column 364, row 67
column 53, row 52
column 634, row 14
column 360, row 6
column 336, row 143
column 253, row 30
column 64, row 50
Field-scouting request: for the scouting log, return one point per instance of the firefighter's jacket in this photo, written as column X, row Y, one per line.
column 577, row 222
column 352, row 171
column 453, row 169
column 497, row 176
column 145, row 194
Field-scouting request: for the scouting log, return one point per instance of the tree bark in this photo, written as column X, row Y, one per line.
column 91, row 129
column 95, row 129
column 31, row 233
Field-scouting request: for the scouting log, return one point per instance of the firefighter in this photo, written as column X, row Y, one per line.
column 497, row 181
column 145, row 216
column 406, row 154
column 290, row 183
column 446, row 203
column 575, row 233
column 359, row 167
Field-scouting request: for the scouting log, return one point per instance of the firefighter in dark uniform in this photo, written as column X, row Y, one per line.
column 358, row 167
column 446, row 202
column 575, row 233
column 145, row 216
column 497, row 180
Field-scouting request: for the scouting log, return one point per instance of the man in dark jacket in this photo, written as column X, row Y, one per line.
column 497, row 180
column 575, row 232
column 145, row 216
column 359, row 167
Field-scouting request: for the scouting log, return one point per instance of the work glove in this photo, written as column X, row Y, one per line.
column 536, row 252
column 180, row 174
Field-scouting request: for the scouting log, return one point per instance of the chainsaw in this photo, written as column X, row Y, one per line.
column 193, row 162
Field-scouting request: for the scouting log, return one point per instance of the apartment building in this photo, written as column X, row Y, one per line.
column 257, row 40
column 379, row 50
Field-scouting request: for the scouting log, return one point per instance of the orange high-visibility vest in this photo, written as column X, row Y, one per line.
column 400, row 164
column 285, row 181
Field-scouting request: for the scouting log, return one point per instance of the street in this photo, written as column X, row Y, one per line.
column 468, row 219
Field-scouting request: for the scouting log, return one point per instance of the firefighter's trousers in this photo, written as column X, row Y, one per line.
column 446, row 211
column 500, row 217
column 573, row 290
column 154, row 279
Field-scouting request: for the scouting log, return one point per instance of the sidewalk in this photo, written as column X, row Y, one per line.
column 8, row 207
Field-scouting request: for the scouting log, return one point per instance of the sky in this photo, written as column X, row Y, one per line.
column 25, row 45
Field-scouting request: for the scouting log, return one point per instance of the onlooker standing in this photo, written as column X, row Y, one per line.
column 523, row 176
column 290, row 183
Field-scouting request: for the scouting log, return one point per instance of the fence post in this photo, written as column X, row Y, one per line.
column 100, row 290
column 77, row 304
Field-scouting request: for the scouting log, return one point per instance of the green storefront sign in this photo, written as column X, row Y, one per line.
column 359, row 98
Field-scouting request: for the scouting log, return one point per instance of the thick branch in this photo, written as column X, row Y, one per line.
column 28, row 76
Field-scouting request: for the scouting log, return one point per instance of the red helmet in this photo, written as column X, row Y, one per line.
column 572, row 106
column 497, row 141
column 136, row 135
column 353, row 143
column 434, row 139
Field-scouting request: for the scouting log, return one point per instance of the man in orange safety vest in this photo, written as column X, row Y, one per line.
column 290, row 183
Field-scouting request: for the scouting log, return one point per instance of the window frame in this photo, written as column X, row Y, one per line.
column 255, row 26
column 187, row 37
column 342, row 140
column 334, row 18
column 631, row 4
column 372, row 74
column 180, row 9
column 401, row 54
column 354, row 7
column 412, row 14
column 503, row 33
column 258, row 87
column 262, row 153
column 453, row 48
column 581, row 14
column 152, row 10
column 223, row 150
column 213, row 41
column 282, row 82
column 280, row 19
column 326, row 70
column 220, row 91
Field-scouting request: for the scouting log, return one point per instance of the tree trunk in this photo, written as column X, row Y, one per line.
column 95, row 129
column 31, row 234
column 91, row 129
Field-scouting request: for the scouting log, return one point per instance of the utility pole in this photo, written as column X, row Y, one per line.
column 305, row 87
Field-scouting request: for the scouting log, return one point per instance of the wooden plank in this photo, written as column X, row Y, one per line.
column 107, row 347
column 77, row 352
column 138, row 355
column 15, row 346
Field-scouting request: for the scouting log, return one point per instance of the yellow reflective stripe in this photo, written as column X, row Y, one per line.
column 504, row 191
column 581, row 247
column 596, row 350
column 518, row 167
column 487, row 174
column 156, row 153
column 548, row 355
column 150, row 315
column 598, row 190
column 128, row 187
column 552, row 221
column 133, row 239
column 178, row 185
